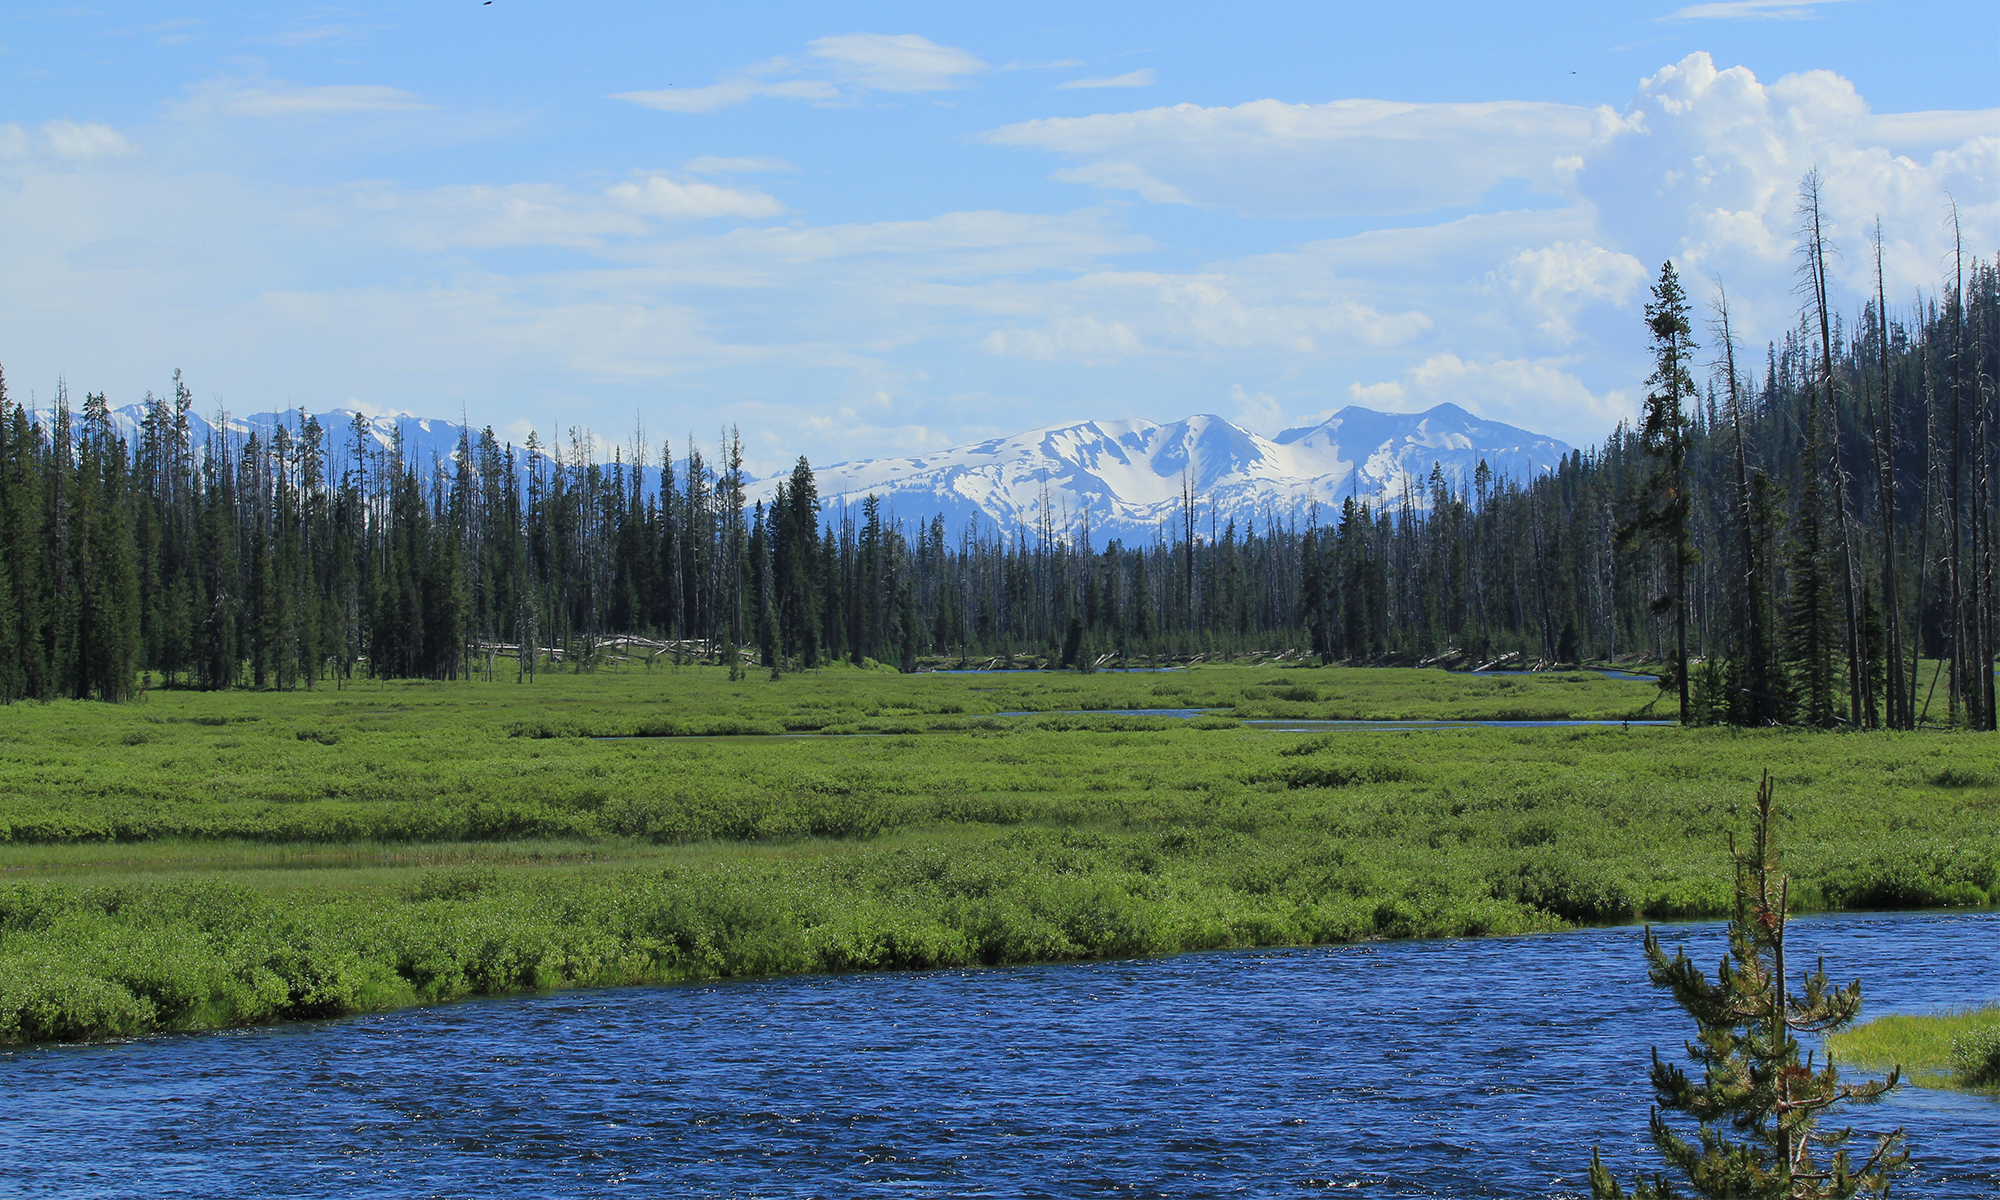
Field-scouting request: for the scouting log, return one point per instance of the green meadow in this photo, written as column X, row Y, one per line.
column 197, row 860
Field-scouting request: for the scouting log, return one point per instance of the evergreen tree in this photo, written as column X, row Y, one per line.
column 1757, row 1107
column 1664, row 435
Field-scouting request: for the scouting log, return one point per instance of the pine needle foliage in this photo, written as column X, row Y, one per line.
column 1757, row 1107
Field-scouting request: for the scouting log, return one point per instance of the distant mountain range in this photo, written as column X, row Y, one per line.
column 1123, row 479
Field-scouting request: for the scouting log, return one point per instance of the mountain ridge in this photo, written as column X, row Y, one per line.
column 1125, row 478
column 1120, row 478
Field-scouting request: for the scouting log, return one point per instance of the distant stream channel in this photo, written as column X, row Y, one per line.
column 1464, row 1068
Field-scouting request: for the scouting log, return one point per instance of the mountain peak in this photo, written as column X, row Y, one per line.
column 1125, row 478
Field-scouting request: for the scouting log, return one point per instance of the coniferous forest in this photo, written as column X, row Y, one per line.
column 1807, row 525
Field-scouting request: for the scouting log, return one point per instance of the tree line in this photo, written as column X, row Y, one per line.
column 1806, row 540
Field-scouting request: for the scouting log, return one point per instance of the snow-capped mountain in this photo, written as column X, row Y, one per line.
column 1125, row 478
column 423, row 438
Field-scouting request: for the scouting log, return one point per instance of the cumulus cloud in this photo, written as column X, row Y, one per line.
column 262, row 99
column 1706, row 169
column 1270, row 158
column 1560, row 279
column 1130, row 79
column 839, row 69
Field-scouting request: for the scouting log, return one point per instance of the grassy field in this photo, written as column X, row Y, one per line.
column 1953, row 1050
column 198, row 860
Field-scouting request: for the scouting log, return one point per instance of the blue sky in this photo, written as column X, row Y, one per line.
column 859, row 230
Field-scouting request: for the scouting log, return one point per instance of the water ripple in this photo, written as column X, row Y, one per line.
column 1444, row 1068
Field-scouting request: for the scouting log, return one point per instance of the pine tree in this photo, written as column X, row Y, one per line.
column 1757, row 1107
column 1664, row 435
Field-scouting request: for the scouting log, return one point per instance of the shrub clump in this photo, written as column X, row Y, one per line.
column 1975, row 1056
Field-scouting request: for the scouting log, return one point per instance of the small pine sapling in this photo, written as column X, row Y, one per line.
column 1757, row 1107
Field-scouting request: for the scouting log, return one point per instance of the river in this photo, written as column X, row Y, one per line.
column 1427, row 1068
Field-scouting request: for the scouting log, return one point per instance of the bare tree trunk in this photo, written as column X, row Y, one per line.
column 1897, row 716
column 1815, row 248
column 1954, row 532
column 1753, row 577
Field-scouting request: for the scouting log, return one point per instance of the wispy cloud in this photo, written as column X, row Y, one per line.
column 901, row 62
column 275, row 98
column 547, row 214
column 734, row 91
column 1130, row 79
column 659, row 196
column 322, row 34
column 838, row 70
column 1750, row 10
column 1270, row 158
column 709, row 164
column 165, row 33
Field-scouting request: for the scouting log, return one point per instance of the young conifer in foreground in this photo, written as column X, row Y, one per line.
column 1756, row 1106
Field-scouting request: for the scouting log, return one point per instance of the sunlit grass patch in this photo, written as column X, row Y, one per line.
column 1952, row 1049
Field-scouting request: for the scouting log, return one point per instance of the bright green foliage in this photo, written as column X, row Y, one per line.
column 357, row 823
column 1757, row 1107
column 1956, row 1049
column 1976, row 1056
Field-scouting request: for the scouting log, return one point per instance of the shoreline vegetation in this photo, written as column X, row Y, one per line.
column 210, row 859
column 1958, row 1049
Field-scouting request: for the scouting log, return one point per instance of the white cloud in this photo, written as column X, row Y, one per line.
column 13, row 140
column 1535, row 394
column 82, row 142
column 897, row 62
column 1237, row 308
column 545, row 214
column 482, row 215
column 709, row 164
column 1749, row 10
column 1561, row 278
column 734, row 91
column 1259, row 412
column 1707, row 166
column 277, row 99
column 842, row 68
column 1080, row 339
column 1270, row 158
column 1130, row 79
column 659, row 196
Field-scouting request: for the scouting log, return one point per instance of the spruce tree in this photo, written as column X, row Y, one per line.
column 1757, row 1108
column 1665, row 436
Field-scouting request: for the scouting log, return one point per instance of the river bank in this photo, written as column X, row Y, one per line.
column 1233, row 1072
column 205, row 861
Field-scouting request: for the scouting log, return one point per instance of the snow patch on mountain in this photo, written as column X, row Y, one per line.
column 1126, row 479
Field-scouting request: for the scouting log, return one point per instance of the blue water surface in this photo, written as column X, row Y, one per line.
column 1436, row 1068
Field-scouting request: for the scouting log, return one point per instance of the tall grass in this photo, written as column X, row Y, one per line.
column 202, row 860
column 1950, row 1049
